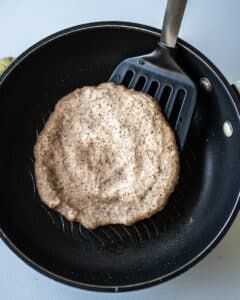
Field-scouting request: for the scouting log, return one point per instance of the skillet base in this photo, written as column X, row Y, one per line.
column 114, row 258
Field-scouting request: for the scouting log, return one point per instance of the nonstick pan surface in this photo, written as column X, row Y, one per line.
column 114, row 258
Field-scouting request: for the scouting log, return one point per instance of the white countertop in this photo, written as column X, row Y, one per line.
column 211, row 26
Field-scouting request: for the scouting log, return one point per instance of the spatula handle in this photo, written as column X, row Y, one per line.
column 172, row 22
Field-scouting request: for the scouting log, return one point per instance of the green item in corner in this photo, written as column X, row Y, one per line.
column 4, row 63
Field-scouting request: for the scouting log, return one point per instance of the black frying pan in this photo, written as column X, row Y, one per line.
column 114, row 258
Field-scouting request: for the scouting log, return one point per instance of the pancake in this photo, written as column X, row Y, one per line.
column 106, row 155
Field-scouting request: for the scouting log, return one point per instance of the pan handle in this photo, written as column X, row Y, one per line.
column 172, row 22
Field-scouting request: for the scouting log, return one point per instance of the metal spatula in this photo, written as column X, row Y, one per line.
column 159, row 75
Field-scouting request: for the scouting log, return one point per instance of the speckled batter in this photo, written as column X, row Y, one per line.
column 106, row 155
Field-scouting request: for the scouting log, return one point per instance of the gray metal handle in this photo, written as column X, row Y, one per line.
column 172, row 22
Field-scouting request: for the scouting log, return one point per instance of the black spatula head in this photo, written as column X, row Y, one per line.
column 159, row 75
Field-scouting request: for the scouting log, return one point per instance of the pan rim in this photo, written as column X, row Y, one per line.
column 232, row 215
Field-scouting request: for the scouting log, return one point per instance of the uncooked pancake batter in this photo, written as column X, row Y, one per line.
column 106, row 155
